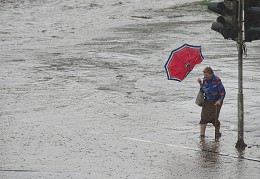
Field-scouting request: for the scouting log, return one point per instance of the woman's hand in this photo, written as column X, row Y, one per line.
column 199, row 81
column 218, row 103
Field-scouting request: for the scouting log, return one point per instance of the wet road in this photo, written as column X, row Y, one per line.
column 84, row 93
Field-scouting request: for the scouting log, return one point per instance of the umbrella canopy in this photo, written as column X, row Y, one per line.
column 182, row 60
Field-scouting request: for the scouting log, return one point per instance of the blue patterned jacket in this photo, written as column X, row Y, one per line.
column 213, row 89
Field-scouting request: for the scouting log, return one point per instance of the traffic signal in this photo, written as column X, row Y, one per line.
column 227, row 23
column 252, row 20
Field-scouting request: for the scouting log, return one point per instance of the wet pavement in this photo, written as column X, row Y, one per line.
column 84, row 93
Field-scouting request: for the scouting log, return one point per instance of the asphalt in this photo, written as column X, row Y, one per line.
column 84, row 93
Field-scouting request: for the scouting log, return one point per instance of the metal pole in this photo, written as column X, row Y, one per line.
column 240, row 142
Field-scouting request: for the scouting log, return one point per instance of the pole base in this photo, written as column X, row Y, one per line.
column 240, row 144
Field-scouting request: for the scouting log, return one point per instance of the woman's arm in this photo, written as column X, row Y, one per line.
column 222, row 92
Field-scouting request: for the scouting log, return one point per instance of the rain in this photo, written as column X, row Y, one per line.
column 84, row 93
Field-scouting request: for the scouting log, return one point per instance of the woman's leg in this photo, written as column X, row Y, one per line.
column 202, row 129
column 217, row 129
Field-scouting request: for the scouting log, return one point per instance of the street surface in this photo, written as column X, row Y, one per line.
column 84, row 93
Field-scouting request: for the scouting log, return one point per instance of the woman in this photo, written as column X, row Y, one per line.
column 214, row 96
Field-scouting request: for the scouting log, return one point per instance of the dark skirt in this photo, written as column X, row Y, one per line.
column 210, row 113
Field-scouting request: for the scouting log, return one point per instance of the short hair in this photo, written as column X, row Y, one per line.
column 208, row 70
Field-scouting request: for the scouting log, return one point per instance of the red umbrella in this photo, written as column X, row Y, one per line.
column 182, row 60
